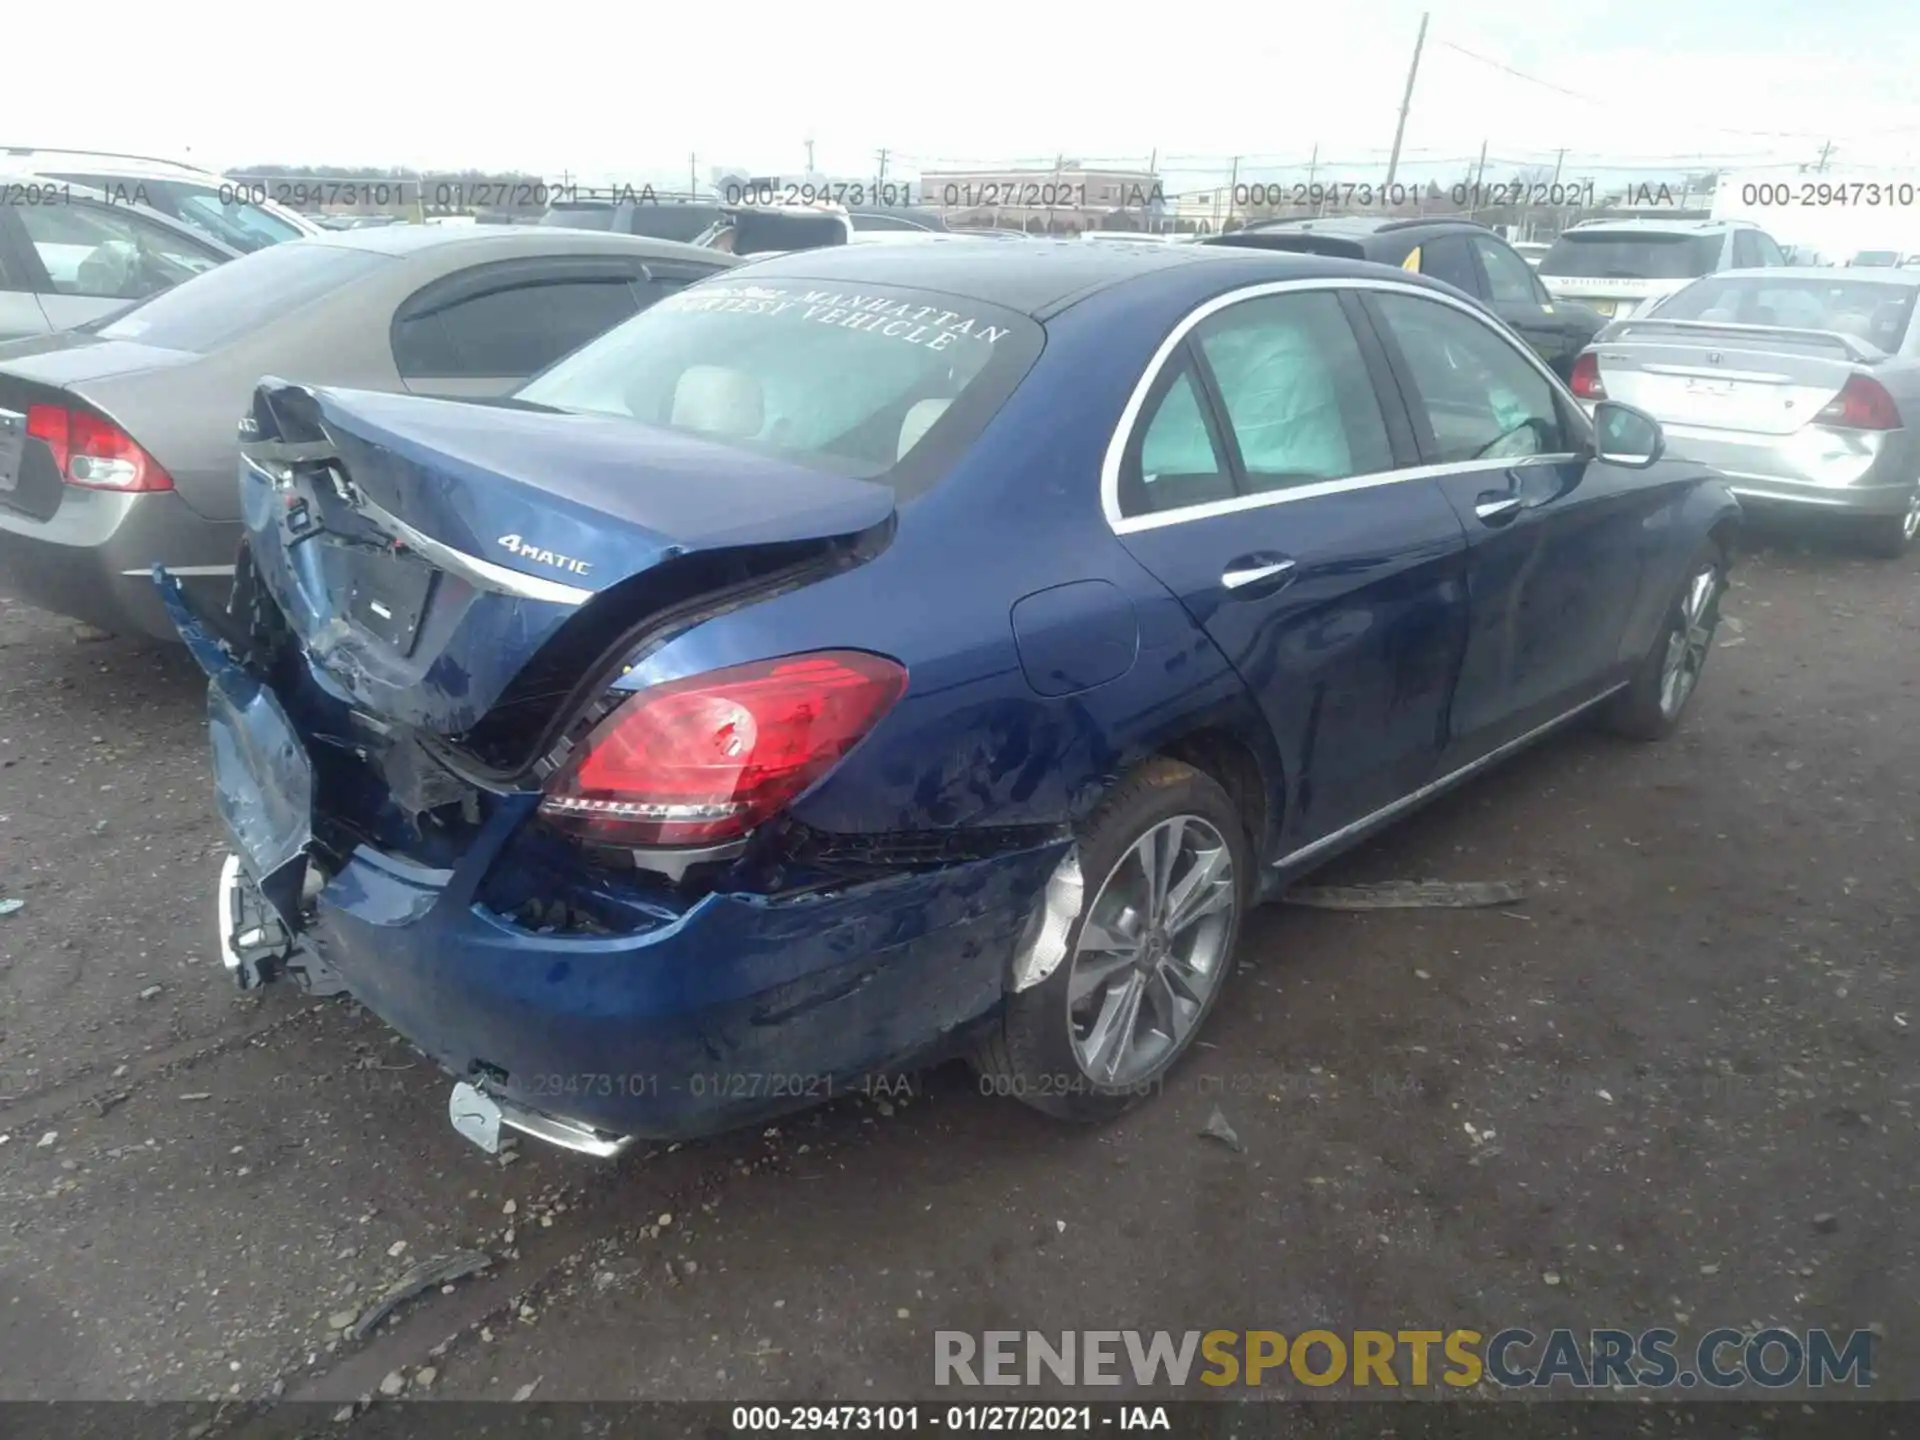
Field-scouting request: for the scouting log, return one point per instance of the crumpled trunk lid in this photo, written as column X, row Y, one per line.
column 423, row 552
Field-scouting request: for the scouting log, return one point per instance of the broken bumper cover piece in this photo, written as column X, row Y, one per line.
column 738, row 1010
column 478, row 1116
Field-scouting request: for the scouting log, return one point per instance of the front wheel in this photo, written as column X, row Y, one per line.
column 1651, row 707
column 1168, row 873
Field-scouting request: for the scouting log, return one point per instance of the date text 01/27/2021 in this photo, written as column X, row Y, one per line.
column 977, row 1419
column 1370, row 194
column 720, row 1085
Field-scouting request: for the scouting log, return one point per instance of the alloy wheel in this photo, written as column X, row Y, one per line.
column 1150, row 951
column 1687, row 645
column 1910, row 522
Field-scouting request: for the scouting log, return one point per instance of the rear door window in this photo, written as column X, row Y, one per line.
column 107, row 252
column 1178, row 460
column 1445, row 257
column 512, row 332
column 1299, row 402
column 1510, row 279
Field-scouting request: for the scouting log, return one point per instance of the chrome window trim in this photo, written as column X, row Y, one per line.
column 1136, row 402
column 1133, row 524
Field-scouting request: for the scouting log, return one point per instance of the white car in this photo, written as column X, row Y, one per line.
column 1626, row 267
column 236, row 214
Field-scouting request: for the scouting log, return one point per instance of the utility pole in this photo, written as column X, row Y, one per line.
column 1233, row 187
column 809, row 157
column 1479, row 175
column 881, row 175
column 693, row 180
column 1825, row 151
column 1406, row 100
column 1558, row 161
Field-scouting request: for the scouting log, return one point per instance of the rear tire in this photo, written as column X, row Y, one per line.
column 1890, row 537
column 1652, row 707
column 1168, row 875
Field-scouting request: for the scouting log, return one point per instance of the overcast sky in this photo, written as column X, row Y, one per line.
column 600, row 88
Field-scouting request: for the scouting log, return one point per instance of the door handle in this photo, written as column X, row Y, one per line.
column 1252, row 570
column 1497, row 507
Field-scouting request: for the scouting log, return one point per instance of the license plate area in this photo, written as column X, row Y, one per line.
column 1709, row 387
column 387, row 596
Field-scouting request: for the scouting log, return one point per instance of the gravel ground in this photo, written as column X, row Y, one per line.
column 1675, row 1086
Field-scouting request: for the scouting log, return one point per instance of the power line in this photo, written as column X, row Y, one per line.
column 1593, row 100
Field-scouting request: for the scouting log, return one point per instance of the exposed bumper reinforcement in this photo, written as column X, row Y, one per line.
column 478, row 1116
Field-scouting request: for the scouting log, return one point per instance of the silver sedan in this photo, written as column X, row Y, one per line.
column 118, row 445
column 1800, row 385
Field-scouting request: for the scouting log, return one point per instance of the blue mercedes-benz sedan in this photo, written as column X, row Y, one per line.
column 872, row 653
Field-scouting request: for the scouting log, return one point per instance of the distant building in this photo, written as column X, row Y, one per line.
column 1069, row 197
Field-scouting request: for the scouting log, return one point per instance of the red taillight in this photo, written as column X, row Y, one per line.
column 1585, row 380
column 91, row 450
column 706, row 759
column 1862, row 404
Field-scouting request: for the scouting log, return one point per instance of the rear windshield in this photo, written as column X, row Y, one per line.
column 875, row 382
column 580, row 217
column 241, row 295
column 1876, row 313
column 1877, row 257
column 1632, row 256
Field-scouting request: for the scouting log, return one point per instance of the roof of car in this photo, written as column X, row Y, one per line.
column 100, row 162
column 1905, row 279
column 1358, row 227
column 1038, row 278
column 509, row 240
column 1645, row 226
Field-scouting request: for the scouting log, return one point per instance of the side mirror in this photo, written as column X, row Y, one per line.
column 1627, row 436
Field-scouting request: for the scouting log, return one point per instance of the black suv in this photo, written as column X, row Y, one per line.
column 1463, row 253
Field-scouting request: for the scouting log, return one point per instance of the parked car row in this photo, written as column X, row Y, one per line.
column 630, row 659
column 135, row 416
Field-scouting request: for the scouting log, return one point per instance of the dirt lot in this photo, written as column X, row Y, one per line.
column 1646, row 1083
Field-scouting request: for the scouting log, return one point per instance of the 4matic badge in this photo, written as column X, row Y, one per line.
column 514, row 545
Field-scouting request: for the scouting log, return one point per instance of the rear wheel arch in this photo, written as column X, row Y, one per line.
column 1256, row 788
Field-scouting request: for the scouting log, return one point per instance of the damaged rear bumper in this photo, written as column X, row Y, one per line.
column 740, row 1009
column 735, row 1009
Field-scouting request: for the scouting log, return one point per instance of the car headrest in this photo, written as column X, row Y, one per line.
column 717, row 400
column 919, row 420
column 107, row 270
